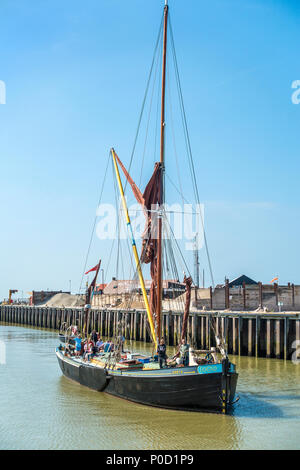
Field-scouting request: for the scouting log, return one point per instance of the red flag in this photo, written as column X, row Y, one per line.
column 93, row 269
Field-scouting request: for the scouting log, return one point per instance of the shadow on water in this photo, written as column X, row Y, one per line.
column 250, row 406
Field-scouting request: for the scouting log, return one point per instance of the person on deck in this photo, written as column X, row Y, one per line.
column 88, row 350
column 74, row 330
column 100, row 344
column 94, row 336
column 183, row 353
column 121, row 341
column 78, row 341
column 162, row 355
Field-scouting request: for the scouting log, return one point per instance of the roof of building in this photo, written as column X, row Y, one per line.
column 240, row 280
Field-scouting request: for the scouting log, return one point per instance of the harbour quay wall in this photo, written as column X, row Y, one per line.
column 270, row 335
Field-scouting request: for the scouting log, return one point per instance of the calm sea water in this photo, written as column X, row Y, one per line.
column 41, row 409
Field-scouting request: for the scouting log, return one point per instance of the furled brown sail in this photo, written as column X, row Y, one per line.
column 188, row 288
column 88, row 299
column 151, row 200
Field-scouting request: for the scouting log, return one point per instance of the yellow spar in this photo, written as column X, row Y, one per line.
column 135, row 253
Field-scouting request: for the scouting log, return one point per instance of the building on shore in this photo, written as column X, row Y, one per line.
column 242, row 293
column 124, row 292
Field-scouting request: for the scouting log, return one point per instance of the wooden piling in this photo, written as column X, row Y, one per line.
column 240, row 326
column 277, row 339
column 285, row 338
column 208, row 330
column 257, row 336
column 268, row 348
column 135, row 325
column 167, row 331
column 297, row 345
column 249, row 337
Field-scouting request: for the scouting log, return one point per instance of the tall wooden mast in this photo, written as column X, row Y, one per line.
column 162, row 162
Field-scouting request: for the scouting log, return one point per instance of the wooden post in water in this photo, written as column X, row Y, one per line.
column 101, row 323
column 249, row 337
column 208, row 331
column 131, row 325
column 223, row 327
column 167, row 332
column 257, row 336
column 226, row 319
column 268, row 352
column 297, row 338
column 135, row 315
column 234, row 336
column 194, row 321
column 145, row 327
column 106, row 323
column 175, row 330
column 285, row 340
column 202, row 346
column 277, row 339
column 171, row 328
column 240, row 326
column 141, row 326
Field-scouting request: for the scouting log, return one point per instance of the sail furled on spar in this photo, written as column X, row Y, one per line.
column 188, row 288
column 151, row 201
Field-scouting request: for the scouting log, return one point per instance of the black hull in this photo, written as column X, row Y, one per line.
column 194, row 392
column 92, row 377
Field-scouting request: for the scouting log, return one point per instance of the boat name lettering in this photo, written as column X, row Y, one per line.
column 207, row 369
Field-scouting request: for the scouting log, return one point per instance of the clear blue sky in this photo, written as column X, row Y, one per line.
column 75, row 74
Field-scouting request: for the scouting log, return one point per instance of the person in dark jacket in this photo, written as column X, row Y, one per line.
column 162, row 355
column 94, row 337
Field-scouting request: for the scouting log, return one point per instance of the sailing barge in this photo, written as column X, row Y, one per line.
column 203, row 383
